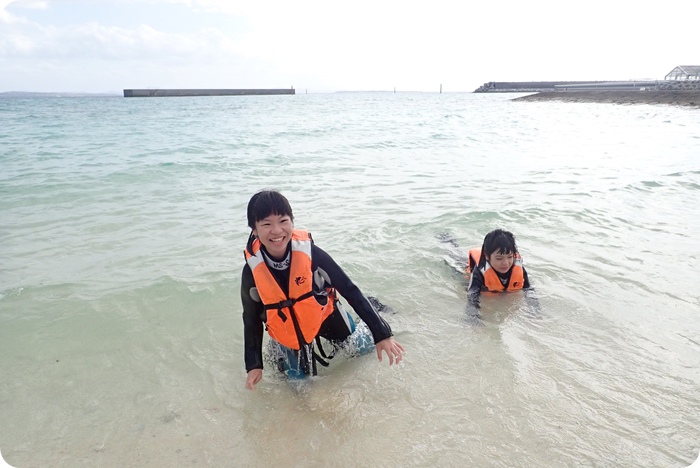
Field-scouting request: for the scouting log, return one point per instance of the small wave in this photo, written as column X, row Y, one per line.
column 11, row 292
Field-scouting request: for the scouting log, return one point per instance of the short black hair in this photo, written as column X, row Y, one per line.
column 498, row 240
column 266, row 203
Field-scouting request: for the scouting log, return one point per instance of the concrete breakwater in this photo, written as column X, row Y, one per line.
column 559, row 86
column 203, row 92
column 685, row 98
column 524, row 86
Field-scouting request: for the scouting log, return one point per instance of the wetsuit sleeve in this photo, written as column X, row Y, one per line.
column 530, row 297
column 339, row 280
column 526, row 281
column 476, row 284
column 252, row 322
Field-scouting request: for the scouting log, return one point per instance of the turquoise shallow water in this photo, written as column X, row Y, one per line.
column 122, row 224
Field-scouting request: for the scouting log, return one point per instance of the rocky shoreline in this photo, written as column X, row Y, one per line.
column 674, row 98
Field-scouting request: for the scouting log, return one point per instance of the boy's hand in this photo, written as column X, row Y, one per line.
column 254, row 376
column 392, row 349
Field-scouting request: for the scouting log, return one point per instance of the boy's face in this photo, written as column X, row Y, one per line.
column 275, row 232
column 501, row 262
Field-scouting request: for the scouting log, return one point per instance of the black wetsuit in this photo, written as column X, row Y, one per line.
column 326, row 273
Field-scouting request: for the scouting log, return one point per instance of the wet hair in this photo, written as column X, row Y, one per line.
column 498, row 241
column 266, row 203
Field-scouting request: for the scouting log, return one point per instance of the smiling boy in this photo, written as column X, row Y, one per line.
column 289, row 284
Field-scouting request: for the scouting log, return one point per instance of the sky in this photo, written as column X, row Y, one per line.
column 105, row 46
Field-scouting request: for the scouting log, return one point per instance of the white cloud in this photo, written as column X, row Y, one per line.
column 29, row 4
column 97, row 41
column 359, row 45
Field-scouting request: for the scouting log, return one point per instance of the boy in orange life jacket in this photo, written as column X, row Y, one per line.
column 496, row 267
column 289, row 284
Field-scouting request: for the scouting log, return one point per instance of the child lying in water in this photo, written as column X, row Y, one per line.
column 495, row 267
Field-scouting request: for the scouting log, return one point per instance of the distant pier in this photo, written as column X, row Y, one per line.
column 527, row 86
column 568, row 86
column 203, row 92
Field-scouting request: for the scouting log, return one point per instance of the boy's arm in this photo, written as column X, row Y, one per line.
column 339, row 280
column 252, row 321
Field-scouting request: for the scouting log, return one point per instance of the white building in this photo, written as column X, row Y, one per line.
column 684, row 73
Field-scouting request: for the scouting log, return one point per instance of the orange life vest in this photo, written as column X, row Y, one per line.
column 293, row 320
column 491, row 279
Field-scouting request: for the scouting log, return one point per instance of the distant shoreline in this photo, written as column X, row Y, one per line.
column 674, row 98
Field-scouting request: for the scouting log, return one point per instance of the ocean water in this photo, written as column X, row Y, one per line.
column 122, row 226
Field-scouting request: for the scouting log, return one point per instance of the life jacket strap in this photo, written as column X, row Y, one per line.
column 309, row 359
column 306, row 350
column 322, row 351
column 288, row 303
column 317, row 359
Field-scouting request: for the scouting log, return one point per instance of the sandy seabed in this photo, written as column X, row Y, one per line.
column 676, row 98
